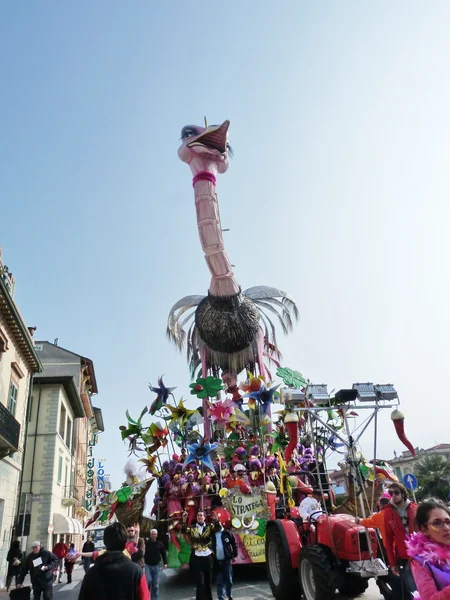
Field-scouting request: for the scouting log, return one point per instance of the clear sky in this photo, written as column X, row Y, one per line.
column 338, row 192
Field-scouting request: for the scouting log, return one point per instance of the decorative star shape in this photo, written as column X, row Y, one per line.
column 263, row 395
column 162, row 395
column 179, row 414
column 200, row 452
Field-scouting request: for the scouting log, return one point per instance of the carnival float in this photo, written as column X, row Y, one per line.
column 257, row 435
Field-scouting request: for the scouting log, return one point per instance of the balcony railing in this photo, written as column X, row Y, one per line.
column 69, row 495
column 9, row 432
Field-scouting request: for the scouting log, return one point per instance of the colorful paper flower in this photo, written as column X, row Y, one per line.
column 179, row 414
column 134, row 428
column 150, row 463
column 162, row 395
column 252, row 384
column 291, row 378
column 221, row 411
column 200, row 452
column 206, row 387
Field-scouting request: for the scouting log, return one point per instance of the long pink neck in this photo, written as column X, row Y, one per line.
column 223, row 282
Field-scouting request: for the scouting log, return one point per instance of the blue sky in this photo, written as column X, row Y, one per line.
column 338, row 192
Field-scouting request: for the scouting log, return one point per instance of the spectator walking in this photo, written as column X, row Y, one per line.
column 399, row 522
column 88, row 546
column 201, row 561
column 14, row 560
column 40, row 564
column 69, row 562
column 60, row 550
column 429, row 550
column 225, row 550
column 154, row 552
column 135, row 545
column 114, row 576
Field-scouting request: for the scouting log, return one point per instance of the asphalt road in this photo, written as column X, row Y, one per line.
column 250, row 583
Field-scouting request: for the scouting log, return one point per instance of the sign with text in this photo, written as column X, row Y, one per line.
column 90, row 472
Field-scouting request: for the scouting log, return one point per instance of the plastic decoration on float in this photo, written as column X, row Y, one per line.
column 229, row 456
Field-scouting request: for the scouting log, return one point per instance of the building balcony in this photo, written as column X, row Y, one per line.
column 69, row 496
column 9, row 432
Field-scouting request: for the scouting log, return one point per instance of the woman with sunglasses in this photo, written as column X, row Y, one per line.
column 430, row 550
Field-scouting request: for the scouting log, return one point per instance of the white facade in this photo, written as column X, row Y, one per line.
column 49, row 463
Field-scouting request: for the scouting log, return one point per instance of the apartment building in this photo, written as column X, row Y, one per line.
column 18, row 363
column 61, row 419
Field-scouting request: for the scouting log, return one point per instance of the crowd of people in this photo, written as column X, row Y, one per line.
column 415, row 541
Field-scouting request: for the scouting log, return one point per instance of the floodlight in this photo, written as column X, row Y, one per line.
column 318, row 393
column 386, row 391
column 365, row 391
column 343, row 396
column 292, row 396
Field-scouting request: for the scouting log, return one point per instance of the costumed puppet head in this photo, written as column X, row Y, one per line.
column 205, row 148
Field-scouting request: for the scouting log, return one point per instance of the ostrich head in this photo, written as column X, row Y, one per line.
column 205, row 148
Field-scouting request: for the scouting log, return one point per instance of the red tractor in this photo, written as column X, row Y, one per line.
column 330, row 553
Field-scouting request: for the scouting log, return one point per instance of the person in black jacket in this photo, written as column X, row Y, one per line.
column 41, row 564
column 114, row 576
column 14, row 560
column 225, row 550
column 154, row 552
column 88, row 546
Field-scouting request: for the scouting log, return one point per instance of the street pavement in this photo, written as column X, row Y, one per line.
column 250, row 583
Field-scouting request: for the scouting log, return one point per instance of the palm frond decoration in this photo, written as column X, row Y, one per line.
column 270, row 305
column 270, row 300
column 175, row 325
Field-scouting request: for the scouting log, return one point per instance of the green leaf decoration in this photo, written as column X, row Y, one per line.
column 124, row 494
column 133, row 430
column 262, row 526
column 291, row 378
column 185, row 551
column 205, row 387
column 130, row 420
column 104, row 516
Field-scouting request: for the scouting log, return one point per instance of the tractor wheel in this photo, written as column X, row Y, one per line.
column 281, row 575
column 353, row 586
column 316, row 574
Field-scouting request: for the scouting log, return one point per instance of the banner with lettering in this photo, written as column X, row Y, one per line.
column 245, row 515
column 89, row 497
column 249, row 516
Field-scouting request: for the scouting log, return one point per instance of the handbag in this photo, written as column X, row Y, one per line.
column 23, row 593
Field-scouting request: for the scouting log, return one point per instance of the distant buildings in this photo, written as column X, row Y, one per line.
column 406, row 462
column 56, row 493
column 18, row 363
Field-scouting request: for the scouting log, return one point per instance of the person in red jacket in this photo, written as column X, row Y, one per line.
column 399, row 522
column 61, row 550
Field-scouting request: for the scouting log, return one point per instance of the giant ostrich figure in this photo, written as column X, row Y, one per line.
column 228, row 329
